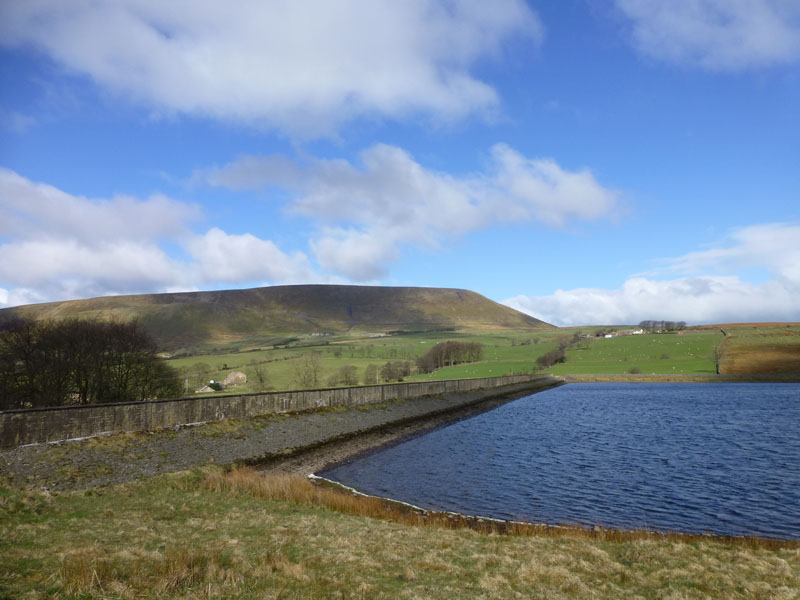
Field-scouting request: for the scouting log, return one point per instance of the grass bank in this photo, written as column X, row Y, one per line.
column 656, row 378
column 215, row 534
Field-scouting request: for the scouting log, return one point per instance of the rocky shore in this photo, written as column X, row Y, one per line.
column 299, row 442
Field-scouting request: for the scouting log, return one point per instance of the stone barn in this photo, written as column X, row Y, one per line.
column 235, row 378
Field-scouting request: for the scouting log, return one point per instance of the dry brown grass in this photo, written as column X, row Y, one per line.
column 211, row 568
column 761, row 350
column 744, row 359
column 213, row 534
column 295, row 488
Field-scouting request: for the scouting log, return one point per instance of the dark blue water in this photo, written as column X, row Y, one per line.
column 717, row 458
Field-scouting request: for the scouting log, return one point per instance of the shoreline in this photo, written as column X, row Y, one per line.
column 494, row 525
column 298, row 442
column 311, row 459
column 310, row 462
column 689, row 378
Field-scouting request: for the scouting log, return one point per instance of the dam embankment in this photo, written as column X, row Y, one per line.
column 40, row 425
column 301, row 441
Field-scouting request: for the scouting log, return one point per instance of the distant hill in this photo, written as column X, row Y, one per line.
column 193, row 318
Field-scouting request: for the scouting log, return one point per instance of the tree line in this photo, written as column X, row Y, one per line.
column 79, row 361
column 447, row 354
column 559, row 355
column 655, row 326
column 307, row 369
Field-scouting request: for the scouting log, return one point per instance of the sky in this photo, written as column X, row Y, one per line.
column 584, row 161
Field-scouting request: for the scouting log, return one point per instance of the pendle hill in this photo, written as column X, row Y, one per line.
column 195, row 318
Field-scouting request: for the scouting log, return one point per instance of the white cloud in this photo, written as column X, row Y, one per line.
column 773, row 246
column 359, row 255
column 56, row 246
column 120, row 266
column 244, row 257
column 717, row 34
column 547, row 192
column 18, row 296
column 366, row 212
column 698, row 297
column 303, row 66
column 36, row 209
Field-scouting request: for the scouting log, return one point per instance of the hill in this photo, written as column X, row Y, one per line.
column 192, row 318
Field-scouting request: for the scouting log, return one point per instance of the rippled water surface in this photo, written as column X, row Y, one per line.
column 720, row 458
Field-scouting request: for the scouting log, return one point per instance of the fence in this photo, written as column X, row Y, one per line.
column 36, row 425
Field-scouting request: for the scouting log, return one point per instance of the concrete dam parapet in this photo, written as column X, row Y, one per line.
column 39, row 425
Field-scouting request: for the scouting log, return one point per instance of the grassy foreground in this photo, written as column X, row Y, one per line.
column 217, row 534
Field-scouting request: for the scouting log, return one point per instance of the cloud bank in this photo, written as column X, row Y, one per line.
column 54, row 245
column 303, row 67
column 698, row 296
column 727, row 35
column 366, row 213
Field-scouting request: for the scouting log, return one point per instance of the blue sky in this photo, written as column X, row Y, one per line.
column 603, row 161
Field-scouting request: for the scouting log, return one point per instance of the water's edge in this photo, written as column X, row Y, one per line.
column 439, row 507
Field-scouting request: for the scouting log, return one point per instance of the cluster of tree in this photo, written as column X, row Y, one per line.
column 56, row 363
column 559, row 355
column 395, row 370
column 346, row 375
column 656, row 326
column 447, row 354
column 548, row 359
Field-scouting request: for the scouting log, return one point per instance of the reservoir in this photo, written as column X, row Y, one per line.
column 715, row 458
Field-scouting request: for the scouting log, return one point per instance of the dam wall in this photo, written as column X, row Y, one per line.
column 38, row 425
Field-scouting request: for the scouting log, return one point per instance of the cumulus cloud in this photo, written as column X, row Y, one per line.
column 366, row 212
column 31, row 209
column 716, row 34
column 244, row 257
column 699, row 296
column 56, row 246
column 360, row 255
column 303, row 66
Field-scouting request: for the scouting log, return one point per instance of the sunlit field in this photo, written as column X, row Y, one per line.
column 691, row 352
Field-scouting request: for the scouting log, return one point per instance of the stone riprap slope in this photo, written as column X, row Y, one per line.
column 299, row 442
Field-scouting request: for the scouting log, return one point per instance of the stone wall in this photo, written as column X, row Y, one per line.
column 31, row 426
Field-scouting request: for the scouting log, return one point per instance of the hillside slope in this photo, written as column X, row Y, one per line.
column 222, row 316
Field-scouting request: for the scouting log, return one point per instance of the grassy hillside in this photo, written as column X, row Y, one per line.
column 761, row 348
column 262, row 315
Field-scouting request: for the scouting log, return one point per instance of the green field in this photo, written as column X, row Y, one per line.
column 505, row 352
column 691, row 353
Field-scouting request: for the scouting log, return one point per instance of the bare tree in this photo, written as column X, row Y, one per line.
column 395, row 370
column 308, row 370
column 348, row 375
column 80, row 362
column 371, row 374
column 445, row 354
column 260, row 373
